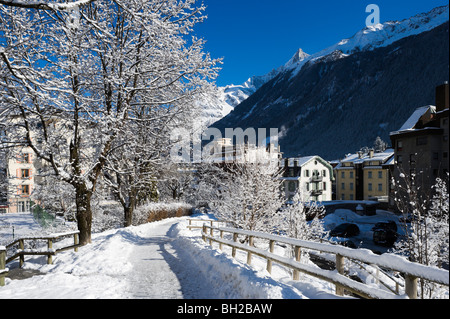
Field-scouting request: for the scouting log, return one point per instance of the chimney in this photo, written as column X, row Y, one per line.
column 442, row 97
column 371, row 151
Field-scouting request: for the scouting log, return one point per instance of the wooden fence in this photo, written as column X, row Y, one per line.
column 21, row 252
column 410, row 271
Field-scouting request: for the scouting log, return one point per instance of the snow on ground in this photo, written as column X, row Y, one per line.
column 162, row 260
column 165, row 260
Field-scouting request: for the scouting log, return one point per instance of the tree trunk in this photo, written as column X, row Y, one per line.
column 128, row 215
column 84, row 213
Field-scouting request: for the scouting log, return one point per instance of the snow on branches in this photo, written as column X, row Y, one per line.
column 75, row 78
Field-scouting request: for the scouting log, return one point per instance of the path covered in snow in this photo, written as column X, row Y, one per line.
column 161, row 269
column 161, row 260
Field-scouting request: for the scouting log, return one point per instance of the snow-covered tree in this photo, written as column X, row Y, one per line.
column 247, row 195
column 294, row 219
column 74, row 75
column 426, row 224
column 379, row 145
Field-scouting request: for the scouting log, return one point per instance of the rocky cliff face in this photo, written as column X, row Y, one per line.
column 341, row 99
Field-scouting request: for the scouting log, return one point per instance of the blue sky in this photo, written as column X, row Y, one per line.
column 256, row 36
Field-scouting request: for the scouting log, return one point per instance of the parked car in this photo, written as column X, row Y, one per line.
column 390, row 225
column 345, row 230
column 385, row 233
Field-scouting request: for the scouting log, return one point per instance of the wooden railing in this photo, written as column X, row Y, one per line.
column 21, row 252
column 198, row 222
column 409, row 270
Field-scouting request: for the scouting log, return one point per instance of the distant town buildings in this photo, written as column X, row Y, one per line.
column 312, row 176
column 421, row 144
column 364, row 176
column 419, row 151
column 224, row 151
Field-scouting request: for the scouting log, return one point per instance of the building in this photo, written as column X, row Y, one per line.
column 364, row 176
column 17, row 180
column 224, row 151
column 421, row 144
column 312, row 175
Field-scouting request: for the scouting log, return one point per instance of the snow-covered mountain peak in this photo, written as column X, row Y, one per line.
column 367, row 39
column 299, row 56
column 376, row 36
column 381, row 35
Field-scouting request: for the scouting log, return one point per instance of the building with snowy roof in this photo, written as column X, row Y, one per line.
column 421, row 144
column 364, row 176
column 312, row 175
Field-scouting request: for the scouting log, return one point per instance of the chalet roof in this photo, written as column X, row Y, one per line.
column 304, row 160
column 360, row 158
column 420, row 115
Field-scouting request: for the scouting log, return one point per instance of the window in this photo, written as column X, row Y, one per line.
column 399, row 146
column 25, row 189
column 343, row 196
column 369, row 173
column 342, row 174
column 343, row 186
column 351, row 174
column 399, row 159
column 380, row 174
column 380, row 187
column 291, row 172
column 370, row 186
column 324, row 173
column 324, row 186
column 23, row 207
column 291, row 186
column 436, row 155
column 24, row 158
column 412, row 159
column 351, row 196
column 422, row 140
column 307, row 173
column 351, row 186
column 25, row 173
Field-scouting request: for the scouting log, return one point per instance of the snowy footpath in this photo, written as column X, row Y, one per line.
column 161, row 260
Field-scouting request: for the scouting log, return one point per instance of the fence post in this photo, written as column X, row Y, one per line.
column 49, row 256
column 2, row 266
column 190, row 224
column 249, row 254
column 269, row 261
column 411, row 286
column 297, row 253
column 233, row 251
column 340, row 269
column 221, row 237
column 203, row 233
column 76, row 241
column 211, row 232
column 21, row 257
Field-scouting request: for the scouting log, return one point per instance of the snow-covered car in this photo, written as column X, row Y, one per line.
column 385, row 233
column 390, row 225
column 345, row 230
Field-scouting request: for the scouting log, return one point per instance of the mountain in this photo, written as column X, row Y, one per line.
column 340, row 99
